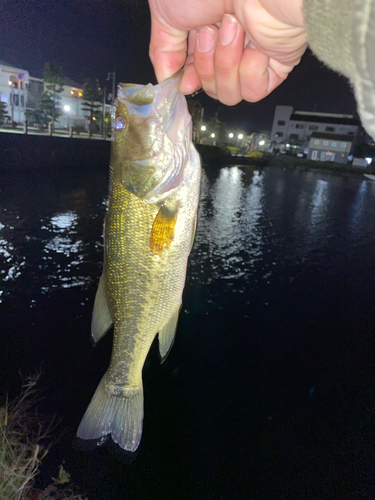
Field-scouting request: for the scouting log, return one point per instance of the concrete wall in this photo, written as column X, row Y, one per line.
column 18, row 152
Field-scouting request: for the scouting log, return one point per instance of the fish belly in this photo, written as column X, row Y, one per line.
column 143, row 288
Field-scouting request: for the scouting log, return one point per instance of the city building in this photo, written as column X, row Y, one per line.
column 71, row 106
column 13, row 90
column 20, row 91
column 330, row 147
column 294, row 129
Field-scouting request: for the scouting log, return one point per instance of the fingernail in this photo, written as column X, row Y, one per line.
column 205, row 39
column 213, row 95
column 228, row 29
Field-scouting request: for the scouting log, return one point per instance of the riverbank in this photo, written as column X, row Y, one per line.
column 31, row 152
column 215, row 156
column 292, row 162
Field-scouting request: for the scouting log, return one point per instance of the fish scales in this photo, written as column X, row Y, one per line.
column 149, row 229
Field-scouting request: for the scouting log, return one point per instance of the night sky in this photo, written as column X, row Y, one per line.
column 90, row 38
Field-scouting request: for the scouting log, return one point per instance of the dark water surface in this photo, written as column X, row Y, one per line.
column 269, row 391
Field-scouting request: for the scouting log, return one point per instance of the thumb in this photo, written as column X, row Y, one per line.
column 167, row 48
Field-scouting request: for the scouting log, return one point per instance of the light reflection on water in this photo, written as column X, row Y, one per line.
column 224, row 228
column 64, row 225
column 245, row 215
column 252, row 221
column 63, row 239
column 229, row 234
column 48, row 251
column 11, row 262
column 358, row 207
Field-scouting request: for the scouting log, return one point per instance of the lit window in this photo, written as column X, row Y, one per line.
column 279, row 134
column 299, row 125
column 313, row 127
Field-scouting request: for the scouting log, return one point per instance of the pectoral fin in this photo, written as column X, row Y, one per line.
column 167, row 336
column 162, row 232
column 101, row 317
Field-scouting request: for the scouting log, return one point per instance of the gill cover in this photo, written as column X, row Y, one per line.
column 151, row 132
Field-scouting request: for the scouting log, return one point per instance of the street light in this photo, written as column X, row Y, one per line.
column 240, row 136
column 212, row 135
column 113, row 76
column 67, row 110
column 203, row 128
column 230, row 135
column 261, row 143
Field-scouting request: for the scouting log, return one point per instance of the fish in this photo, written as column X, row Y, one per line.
column 149, row 230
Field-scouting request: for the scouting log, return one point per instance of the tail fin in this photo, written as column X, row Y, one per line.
column 119, row 415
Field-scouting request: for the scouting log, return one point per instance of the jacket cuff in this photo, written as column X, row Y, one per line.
column 341, row 33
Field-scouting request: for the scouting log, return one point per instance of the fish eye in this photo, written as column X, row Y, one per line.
column 119, row 123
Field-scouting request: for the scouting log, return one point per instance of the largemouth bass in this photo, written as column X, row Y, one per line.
column 148, row 234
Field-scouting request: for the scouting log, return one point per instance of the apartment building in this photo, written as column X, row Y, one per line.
column 293, row 128
column 20, row 91
column 13, row 90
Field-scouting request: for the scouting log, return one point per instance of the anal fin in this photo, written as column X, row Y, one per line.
column 101, row 317
column 167, row 335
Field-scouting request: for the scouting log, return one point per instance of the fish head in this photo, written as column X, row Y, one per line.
column 151, row 137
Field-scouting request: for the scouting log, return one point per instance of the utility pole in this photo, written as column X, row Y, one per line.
column 103, row 118
column 113, row 76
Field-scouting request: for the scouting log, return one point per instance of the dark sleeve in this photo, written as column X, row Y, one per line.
column 341, row 33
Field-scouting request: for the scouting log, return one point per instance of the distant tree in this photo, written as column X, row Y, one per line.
column 91, row 101
column 43, row 112
column 222, row 133
column 3, row 112
column 54, row 80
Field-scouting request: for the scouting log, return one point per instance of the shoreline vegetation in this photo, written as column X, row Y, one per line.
column 25, row 440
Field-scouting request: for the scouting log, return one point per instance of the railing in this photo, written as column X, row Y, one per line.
column 56, row 132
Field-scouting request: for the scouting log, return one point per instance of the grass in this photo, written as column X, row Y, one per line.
column 25, row 439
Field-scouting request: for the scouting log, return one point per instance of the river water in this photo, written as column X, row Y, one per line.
column 269, row 390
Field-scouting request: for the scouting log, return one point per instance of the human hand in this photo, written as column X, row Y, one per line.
column 238, row 49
